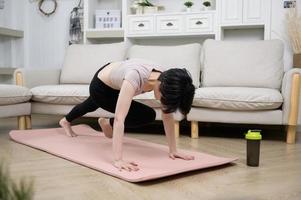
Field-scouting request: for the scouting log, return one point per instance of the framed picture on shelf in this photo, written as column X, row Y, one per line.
column 107, row 19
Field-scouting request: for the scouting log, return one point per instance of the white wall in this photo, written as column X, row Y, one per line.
column 5, row 19
column 47, row 37
column 5, row 43
column 279, row 30
column 11, row 49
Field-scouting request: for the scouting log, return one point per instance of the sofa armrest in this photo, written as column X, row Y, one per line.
column 35, row 77
column 291, row 95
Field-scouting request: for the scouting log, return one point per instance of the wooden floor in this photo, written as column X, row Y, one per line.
column 278, row 177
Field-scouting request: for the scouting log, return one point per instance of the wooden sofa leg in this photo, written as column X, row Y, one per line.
column 177, row 129
column 21, row 122
column 294, row 108
column 194, row 129
column 291, row 134
column 28, row 121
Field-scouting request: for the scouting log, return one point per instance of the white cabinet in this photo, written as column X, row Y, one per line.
column 141, row 25
column 254, row 11
column 236, row 12
column 169, row 24
column 199, row 23
column 179, row 24
column 231, row 11
column 92, row 32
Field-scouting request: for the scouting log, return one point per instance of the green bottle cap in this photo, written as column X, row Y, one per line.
column 253, row 135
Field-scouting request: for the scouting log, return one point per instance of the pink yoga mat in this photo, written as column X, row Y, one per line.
column 92, row 149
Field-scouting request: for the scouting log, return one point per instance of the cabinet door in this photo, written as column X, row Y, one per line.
column 254, row 11
column 169, row 24
column 141, row 25
column 199, row 23
column 231, row 11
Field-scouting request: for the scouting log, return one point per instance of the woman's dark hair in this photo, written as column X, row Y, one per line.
column 177, row 90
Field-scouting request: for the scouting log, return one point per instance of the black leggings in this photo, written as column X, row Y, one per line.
column 105, row 97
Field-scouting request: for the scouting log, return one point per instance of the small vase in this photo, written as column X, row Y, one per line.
column 150, row 9
column 188, row 9
column 207, row 8
column 139, row 10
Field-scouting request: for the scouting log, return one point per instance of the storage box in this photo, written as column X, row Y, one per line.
column 297, row 60
column 107, row 19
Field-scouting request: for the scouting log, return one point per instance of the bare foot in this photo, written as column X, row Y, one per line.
column 106, row 127
column 67, row 127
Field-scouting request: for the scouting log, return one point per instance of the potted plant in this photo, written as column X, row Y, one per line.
column 147, row 6
column 12, row 190
column 188, row 5
column 207, row 5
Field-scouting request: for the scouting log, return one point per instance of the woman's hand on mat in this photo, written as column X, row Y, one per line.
column 124, row 165
column 181, row 156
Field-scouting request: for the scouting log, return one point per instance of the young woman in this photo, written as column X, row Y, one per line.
column 113, row 88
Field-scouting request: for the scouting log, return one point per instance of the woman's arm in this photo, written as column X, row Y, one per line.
column 124, row 101
column 168, row 122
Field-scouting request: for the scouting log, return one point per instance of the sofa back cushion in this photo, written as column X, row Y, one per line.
column 180, row 56
column 82, row 61
column 242, row 64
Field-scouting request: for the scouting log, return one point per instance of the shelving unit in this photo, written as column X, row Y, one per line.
column 97, row 34
column 12, row 26
column 6, row 74
column 7, row 32
column 7, row 71
column 226, row 20
column 91, row 34
column 242, row 15
column 171, row 24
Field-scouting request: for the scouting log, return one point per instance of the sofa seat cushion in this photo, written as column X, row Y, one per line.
column 66, row 94
column 237, row 98
column 13, row 94
column 71, row 94
column 148, row 99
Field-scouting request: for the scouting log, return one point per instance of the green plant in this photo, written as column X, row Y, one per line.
column 9, row 190
column 145, row 3
column 188, row 4
column 207, row 3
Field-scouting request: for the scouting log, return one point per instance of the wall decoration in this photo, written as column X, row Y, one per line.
column 76, row 24
column 50, row 12
column 289, row 4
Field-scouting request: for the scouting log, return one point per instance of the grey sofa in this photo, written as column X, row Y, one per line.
column 245, row 82
column 242, row 82
column 14, row 102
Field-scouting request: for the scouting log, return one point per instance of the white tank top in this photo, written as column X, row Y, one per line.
column 136, row 71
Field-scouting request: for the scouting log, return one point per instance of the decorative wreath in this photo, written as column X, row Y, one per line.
column 50, row 12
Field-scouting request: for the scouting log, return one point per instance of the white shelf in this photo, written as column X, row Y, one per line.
column 173, row 13
column 219, row 20
column 180, row 35
column 11, row 32
column 7, row 70
column 241, row 26
column 104, row 33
